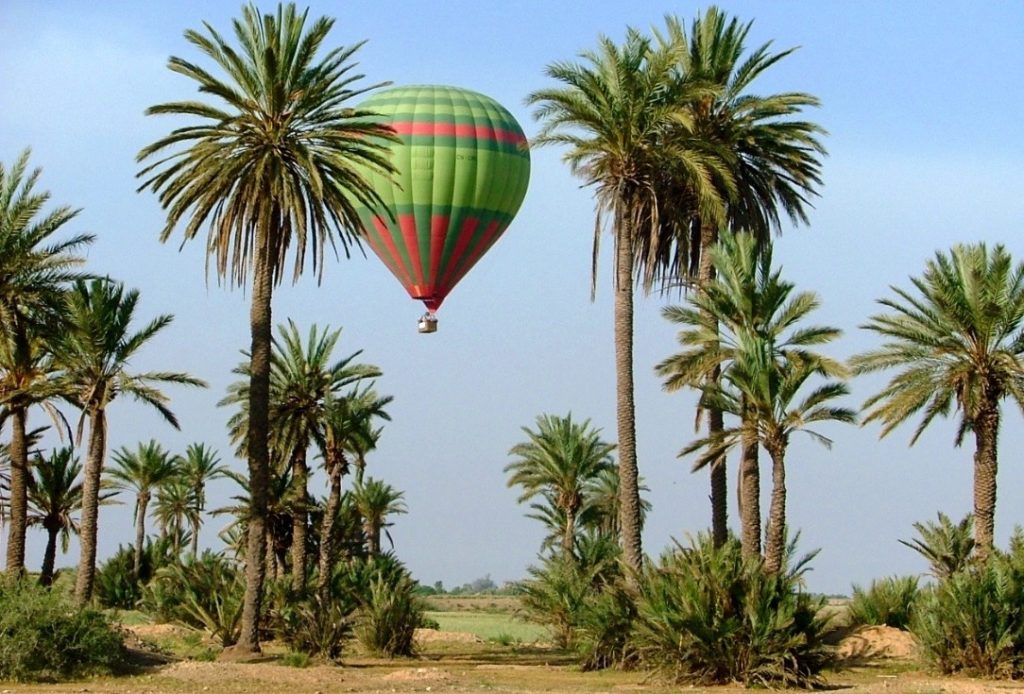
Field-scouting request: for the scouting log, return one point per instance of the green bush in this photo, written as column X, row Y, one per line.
column 203, row 593
column 388, row 619
column 317, row 626
column 604, row 629
column 707, row 616
column 116, row 585
column 972, row 621
column 889, row 602
column 43, row 637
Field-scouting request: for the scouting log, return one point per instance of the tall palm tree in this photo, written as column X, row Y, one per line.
column 95, row 351
column 34, row 269
column 55, row 497
column 557, row 462
column 771, row 156
column 746, row 306
column 271, row 164
column 141, row 471
column 618, row 112
column 349, row 432
column 376, row 500
column 956, row 341
column 199, row 466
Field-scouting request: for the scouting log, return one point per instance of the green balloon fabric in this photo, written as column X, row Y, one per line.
column 463, row 168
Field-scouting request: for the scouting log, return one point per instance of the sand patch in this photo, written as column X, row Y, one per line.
column 428, row 635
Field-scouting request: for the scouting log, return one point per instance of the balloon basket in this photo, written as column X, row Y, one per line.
column 428, row 323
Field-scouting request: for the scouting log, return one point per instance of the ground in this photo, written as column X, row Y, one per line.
column 489, row 652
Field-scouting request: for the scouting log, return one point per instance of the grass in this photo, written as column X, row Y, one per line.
column 491, row 626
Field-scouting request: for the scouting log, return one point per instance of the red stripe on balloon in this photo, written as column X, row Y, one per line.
column 438, row 230
column 490, row 233
column 407, row 223
column 397, row 266
column 465, row 236
column 481, row 132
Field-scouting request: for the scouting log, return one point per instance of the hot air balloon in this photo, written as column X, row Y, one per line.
column 463, row 167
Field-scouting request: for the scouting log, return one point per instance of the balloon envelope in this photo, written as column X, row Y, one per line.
column 463, row 167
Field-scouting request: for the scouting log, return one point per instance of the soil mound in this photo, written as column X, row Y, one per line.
column 878, row 642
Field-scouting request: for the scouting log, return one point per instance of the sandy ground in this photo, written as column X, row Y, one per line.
column 878, row 660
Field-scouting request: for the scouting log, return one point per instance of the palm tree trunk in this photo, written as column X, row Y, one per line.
column 300, row 474
column 750, row 494
column 195, row 540
column 569, row 536
column 256, row 444
column 986, row 434
column 775, row 544
column 270, row 560
column 373, row 536
column 716, row 423
column 50, row 554
column 327, row 529
column 90, row 505
column 19, row 493
column 629, row 491
column 140, row 530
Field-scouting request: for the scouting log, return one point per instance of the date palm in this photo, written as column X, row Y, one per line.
column 946, row 545
column 95, row 351
column 176, row 508
column 619, row 114
column 34, row 268
column 956, row 342
column 748, row 306
column 772, row 158
column 376, row 500
column 54, row 497
column 141, row 471
column 199, row 466
column 558, row 462
column 349, row 434
column 271, row 165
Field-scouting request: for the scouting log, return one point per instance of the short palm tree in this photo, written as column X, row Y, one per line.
column 376, row 500
column 558, row 462
column 141, row 471
column 177, row 510
column 946, row 545
column 272, row 164
column 55, row 498
column 618, row 112
column 746, row 318
column 34, row 269
column 350, row 432
column 772, row 158
column 94, row 352
column 956, row 340
column 199, row 466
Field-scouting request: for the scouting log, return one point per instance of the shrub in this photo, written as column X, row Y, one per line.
column 707, row 616
column 946, row 545
column 116, row 584
column 388, row 620
column 605, row 628
column 43, row 637
column 318, row 626
column 972, row 622
column 203, row 593
column 889, row 602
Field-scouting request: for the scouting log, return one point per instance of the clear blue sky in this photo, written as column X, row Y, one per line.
column 922, row 101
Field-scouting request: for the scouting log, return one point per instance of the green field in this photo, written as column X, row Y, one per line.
column 491, row 626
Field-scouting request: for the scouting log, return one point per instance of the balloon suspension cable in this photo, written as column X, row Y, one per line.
column 428, row 323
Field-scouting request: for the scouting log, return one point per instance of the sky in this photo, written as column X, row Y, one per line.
column 922, row 102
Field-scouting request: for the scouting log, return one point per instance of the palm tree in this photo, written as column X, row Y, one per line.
column 176, row 509
column 618, row 112
column 34, row 269
column 771, row 157
column 54, row 497
column 376, row 500
column 348, row 432
column 272, row 164
column 747, row 307
column 946, row 545
column 94, row 352
column 199, row 466
column 558, row 462
column 957, row 341
column 141, row 471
